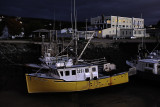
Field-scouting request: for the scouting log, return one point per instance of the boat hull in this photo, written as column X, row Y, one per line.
column 148, row 76
column 39, row 84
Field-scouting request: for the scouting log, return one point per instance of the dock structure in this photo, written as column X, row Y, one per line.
column 95, row 40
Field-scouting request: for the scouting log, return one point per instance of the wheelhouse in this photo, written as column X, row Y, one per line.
column 78, row 73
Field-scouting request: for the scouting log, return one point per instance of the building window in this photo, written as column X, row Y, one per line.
column 108, row 21
column 73, row 72
column 61, row 72
column 67, row 73
column 123, row 32
column 139, row 32
column 123, row 25
column 134, row 32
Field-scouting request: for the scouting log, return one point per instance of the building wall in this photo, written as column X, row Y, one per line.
column 126, row 33
column 119, row 26
column 139, row 33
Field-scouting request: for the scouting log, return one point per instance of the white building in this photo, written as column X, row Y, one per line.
column 119, row 27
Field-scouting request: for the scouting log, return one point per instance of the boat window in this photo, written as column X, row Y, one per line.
column 57, row 73
column 94, row 69
column 73, row 72
column 61, row 72
column 80, row 70
column 86, row 70
column 150, row 65
column 67, row 73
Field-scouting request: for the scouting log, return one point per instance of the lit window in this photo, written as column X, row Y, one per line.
column 108, row 21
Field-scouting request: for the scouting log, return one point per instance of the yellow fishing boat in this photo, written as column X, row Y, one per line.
column 75, row 78
column 62, row 74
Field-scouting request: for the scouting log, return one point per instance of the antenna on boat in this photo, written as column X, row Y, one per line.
column 71, row 18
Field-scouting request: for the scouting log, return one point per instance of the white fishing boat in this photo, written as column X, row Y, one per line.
column 148, row 65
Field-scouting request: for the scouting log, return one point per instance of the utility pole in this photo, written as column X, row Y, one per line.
column 116, row 28
column 144, row 33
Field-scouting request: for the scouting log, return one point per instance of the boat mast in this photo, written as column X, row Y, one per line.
column 75, row 28
column 85, row 48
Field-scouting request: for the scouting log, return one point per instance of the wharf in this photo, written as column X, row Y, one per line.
column 96, row 41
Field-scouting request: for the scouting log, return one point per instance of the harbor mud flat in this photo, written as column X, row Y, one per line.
column 138, row 92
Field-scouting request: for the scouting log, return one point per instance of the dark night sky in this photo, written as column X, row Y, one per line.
column 85, row 9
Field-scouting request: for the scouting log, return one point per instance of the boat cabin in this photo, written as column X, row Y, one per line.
column 78, row 73
column 149, row 65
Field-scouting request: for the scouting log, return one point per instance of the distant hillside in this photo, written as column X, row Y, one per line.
column 28, row 25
